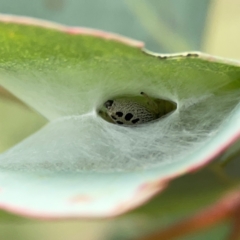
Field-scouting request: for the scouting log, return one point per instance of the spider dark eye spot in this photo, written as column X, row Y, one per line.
column 128, row 117
column 119, row 114
column 108, row 103
column 119, row 122
column 135, row 120
column 113, row 117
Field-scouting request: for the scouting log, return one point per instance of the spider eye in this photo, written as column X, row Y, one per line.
column 108, row 103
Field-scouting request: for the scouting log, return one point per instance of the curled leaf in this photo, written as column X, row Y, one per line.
column 81, row 165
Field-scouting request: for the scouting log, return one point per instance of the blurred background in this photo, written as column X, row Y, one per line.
column 166, row 26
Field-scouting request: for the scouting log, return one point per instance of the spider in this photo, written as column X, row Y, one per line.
column 125, row 111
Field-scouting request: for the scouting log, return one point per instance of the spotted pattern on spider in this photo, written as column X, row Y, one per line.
column 130, row 112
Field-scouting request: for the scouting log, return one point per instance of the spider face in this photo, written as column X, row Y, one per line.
column 108, row 104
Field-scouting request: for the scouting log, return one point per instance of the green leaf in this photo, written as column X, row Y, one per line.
column 81, row 165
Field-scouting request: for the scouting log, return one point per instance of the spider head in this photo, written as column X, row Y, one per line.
column 108, row 104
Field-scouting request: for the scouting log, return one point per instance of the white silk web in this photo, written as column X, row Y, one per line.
column 88, row 142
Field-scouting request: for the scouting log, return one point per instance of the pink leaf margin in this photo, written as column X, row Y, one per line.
column 70, row 30
column 142, row 194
